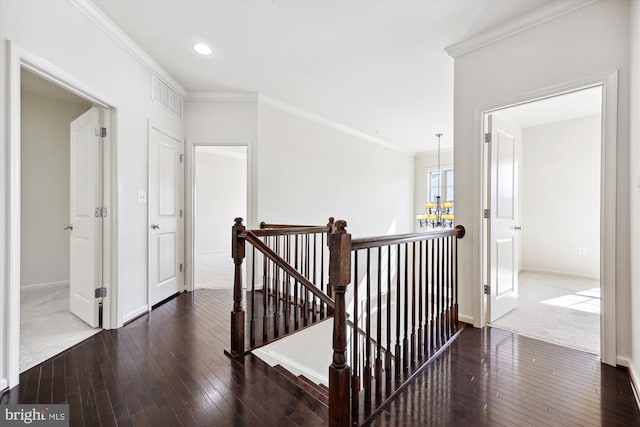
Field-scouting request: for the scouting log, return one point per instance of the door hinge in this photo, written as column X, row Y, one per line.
column 180, row 213
column 101, row 292
column 101, row 132
column 487, row 213
column 101, row 212
column 487, row 289
column 181, row 157
column 487, row 137
column 181, row 266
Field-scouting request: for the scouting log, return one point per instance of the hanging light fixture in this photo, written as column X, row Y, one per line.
column 438, row 214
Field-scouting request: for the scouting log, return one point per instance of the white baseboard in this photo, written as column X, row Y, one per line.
column 558, row 273
column 633, row 376
column 135, row 313
column 45, row 285
column 465, row 318
column 274, row 358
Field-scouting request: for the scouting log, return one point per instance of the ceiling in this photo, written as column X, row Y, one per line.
column 34, row 85
column 582, row 103
column 377, row 66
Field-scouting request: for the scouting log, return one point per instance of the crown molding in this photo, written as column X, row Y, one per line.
column 282, row 106
column 102, row 21
column 443, row 150
column 227, row 96
column 537, row 17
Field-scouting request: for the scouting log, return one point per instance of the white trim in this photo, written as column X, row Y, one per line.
column 45, row 285
column 465, row 318
column 524, row 269
column 17, row 58
column 135, row 313
column 222, row 96
column 271, row 102
column 609, row 83
column 274, row 358
column 537, row 17
column 3, row 383
column 103, row 22
column 633, row 376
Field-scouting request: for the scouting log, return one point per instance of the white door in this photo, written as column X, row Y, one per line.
column 84, row 226
column 165, row 217
column 503, row 227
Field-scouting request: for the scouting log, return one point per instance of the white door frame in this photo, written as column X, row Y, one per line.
column 609, row 83
column 252, row 204
column 18, row 58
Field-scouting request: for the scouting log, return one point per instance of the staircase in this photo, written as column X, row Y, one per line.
column 393, row 300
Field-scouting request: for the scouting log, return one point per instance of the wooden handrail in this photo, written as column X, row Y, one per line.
column 264, row 225
column 286, row 231
column 394, row 239
column 252, row 238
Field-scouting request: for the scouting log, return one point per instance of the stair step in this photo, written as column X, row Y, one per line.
column 320, row 388
column 313, row 389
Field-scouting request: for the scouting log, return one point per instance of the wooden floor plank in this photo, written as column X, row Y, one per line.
column 168, row 368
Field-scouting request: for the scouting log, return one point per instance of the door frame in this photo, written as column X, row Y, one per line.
column 609, row 117
column 18, row 58
column 252, row 204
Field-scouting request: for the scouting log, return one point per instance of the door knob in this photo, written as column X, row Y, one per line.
column 155, row 226
column 68, row 227
column 517, row 227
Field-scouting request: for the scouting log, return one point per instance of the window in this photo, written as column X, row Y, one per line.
column 440, row 184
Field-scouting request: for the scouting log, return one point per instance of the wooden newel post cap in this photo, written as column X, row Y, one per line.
column 341, row 226
column 238, row 221
column 460, row 229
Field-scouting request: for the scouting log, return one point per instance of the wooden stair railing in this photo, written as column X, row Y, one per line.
column 407, row 316
column 401, row 311
column 286, row 288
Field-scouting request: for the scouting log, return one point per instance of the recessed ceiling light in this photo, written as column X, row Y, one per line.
column 202, row 49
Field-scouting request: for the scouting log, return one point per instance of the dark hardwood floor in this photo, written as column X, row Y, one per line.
column 168, row 368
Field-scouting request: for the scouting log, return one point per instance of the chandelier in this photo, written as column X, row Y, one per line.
column 438, row 214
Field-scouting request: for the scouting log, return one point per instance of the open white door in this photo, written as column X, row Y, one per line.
column 85, row 225
column 502, row 250
column 166, row 247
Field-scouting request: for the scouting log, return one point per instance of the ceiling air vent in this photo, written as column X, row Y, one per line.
column 163, row 95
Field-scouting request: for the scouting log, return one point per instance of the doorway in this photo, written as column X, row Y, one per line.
column 56, row 312
column 544, row 219
column 220, row 195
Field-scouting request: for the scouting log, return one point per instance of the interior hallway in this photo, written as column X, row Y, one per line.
column 168, row 368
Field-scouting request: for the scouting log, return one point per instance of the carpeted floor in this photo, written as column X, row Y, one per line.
column 47, row 327
column 214, row 271
column 558, row 309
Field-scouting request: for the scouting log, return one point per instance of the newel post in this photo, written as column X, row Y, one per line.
column 237, row 315
column 339, row 371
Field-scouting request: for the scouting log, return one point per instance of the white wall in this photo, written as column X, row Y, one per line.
column 634, row 199
column 64, row 36
column 560, row 177
column 425, row 162
column 221, row 195
column 308, row 172
column 45, row 188
column 587, row 42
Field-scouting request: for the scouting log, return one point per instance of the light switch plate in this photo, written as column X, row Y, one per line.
column 142, row 197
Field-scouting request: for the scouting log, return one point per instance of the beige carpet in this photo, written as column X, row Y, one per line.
column 47, row 327
column 558, row 309
column 214, row 271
